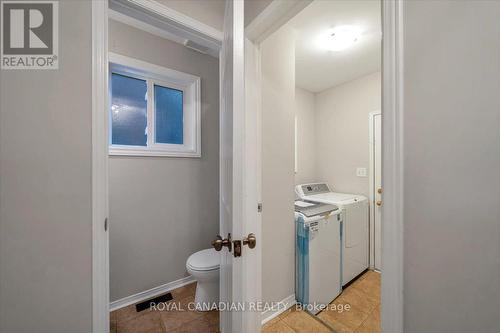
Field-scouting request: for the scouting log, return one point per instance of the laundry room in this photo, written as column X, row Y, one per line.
column 321, row 137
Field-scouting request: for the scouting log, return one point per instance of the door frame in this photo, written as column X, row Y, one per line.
column 100, row 198
column 270, row 20
column 371, row 181
column 181, row 27
column 392, row 173
column 392, row 165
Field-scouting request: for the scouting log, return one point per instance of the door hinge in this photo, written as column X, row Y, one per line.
column 259, row 207
column 106, row 224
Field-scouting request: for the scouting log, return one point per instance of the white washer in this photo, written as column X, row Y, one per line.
column 355, row 254
column 318, row 254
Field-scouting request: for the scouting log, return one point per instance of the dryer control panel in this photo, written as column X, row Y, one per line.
column 313, row 188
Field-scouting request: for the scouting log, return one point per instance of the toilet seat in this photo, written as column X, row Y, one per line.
column 204, row 260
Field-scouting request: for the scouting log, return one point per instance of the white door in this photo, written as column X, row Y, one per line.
column 377, row 148
column 240, row 277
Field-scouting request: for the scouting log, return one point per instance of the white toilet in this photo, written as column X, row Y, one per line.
column 204, row 267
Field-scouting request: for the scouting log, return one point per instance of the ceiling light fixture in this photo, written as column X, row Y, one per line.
column 340, row 38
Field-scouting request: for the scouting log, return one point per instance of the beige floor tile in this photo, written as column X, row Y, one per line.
column 371, row 324
column 351, row 318
column 127, row 313
column 335, row 325
column 277, row 327
column 196, row 326
column 184, row 292
column 175, row 319
column 272, row 321
column 372, row 277
column 357, row 298
column 288, row 311
column 369, row 286
column 212, row 317
column 363, row 296
column 376, row 313
column 149, row 322
column 302, row 322
column 178, row 319
column 279, row 318
column 185, row 302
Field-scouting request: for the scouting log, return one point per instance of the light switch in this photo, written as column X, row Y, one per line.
column 361, row 172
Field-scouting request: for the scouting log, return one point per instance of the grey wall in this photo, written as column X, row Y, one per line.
column 306, row 137
column 342, row 136
column 452, row 158
column 45, row 187
column 253, row 8
column 278, row 114
column 163, row 209
column 208, row 12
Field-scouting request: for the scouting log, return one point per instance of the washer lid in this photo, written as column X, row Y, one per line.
column 204, row 260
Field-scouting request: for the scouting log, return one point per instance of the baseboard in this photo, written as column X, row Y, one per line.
column 144, row 295
column 271, row 314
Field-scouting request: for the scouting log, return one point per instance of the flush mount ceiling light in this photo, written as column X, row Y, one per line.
column 339, row 38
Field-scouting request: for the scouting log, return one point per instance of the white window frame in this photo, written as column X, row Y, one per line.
column 157, row 75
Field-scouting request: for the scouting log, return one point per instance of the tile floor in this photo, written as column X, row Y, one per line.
column 363, row 297
column 127, row 320
column 295, row 321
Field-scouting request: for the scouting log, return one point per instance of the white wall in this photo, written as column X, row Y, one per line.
column 45, row 187
column 278, row 114
column 342, row 141
column 163, row 209
column 452, row 159
column 306, row 136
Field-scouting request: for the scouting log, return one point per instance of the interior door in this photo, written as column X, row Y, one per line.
column 240, row 276
column 377, row 132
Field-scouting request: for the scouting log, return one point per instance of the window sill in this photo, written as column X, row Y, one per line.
column 152, row 153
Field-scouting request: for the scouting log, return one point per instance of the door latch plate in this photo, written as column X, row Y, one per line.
column 237, row 248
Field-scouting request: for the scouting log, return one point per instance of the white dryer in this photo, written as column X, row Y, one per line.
column 355, row 233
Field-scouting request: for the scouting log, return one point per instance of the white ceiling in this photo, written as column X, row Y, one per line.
column 318, row 69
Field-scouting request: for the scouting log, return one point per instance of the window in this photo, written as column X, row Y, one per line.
column 154, row 111
column 128, row 111
column 168, row 115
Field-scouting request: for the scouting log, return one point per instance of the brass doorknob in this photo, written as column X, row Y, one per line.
column 218, row 243
column 379, row 203
column 379, row 190
column 250, row 240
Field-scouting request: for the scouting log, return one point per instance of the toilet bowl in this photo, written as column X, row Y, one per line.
column 204, row 267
